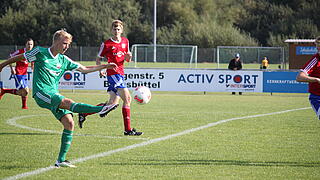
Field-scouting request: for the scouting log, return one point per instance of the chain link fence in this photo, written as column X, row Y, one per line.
column 77, row 53
column 204, row 55
column 253, row 55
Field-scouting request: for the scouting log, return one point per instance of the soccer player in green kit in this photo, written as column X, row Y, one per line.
column 49, row 65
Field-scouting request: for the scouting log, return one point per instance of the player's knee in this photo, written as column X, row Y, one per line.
column 67, row 122
column 127, row 100
column 66, row 103
column 70, row 125
column 23, row 92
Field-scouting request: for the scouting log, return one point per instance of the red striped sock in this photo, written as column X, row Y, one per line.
column 24, row 101
column 11, row 91
column 126, row 117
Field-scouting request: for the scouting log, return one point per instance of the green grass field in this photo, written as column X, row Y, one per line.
column 187, row 135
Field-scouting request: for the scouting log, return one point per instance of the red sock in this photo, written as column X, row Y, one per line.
column 24, row 101
column 87, row 114
column 11, row 91
column 126, row 117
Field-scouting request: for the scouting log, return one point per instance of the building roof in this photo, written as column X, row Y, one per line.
column 299, row 40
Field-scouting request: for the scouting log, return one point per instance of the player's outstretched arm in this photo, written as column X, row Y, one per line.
column 11, row 60
column 98, row 62
column 12, row 69
column 89, row 69
column 303, row 77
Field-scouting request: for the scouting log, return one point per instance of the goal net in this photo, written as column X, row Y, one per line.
column 252, row 55
column 164, row 54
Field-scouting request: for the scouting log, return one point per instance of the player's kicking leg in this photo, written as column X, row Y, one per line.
column 104, row 112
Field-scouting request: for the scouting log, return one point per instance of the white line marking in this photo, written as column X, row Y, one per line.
column 13, row 122
column 107, row 153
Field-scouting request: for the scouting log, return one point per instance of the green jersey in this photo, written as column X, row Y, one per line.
column 48, row 69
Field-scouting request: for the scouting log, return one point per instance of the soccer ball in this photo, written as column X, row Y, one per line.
column 141, row 95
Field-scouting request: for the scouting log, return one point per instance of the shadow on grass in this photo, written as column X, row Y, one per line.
column 218, row 163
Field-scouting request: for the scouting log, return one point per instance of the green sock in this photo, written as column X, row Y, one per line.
column 85, row 108
column 66, row 140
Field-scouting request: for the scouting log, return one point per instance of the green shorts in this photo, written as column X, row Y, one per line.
column 51, row 101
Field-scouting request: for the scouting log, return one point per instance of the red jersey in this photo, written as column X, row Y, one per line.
column 312, row 68
column 21, row 66
column 114, row 53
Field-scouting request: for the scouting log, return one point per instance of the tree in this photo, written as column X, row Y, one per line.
column 205, row 23
column 269, row 20
column 88, row 21
column 194, row 25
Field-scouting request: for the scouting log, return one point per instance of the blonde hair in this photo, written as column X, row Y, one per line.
column 61, row 33
column 116, row 23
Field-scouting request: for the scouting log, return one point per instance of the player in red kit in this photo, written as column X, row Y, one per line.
column 116, row 50
column 310, row 73
column 20, row 75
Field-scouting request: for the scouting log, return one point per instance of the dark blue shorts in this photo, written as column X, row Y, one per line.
column 114, row 82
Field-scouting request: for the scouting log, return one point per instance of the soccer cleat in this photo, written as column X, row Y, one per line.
column 82, row 118
column 25, row 107
column 107, row 108
column 65, row 163
column 1, row 93
column 133, row 132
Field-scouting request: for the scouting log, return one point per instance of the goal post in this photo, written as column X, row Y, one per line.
column 254, row 55
column 165, row 53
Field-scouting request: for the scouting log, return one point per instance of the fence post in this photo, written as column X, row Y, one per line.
column 80, row 53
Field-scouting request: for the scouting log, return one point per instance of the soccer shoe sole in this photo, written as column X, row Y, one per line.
column 111, row 109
